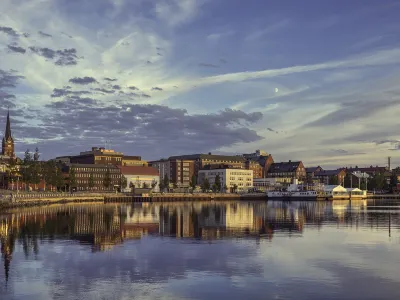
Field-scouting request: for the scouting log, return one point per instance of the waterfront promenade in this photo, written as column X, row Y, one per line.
column 39, row 199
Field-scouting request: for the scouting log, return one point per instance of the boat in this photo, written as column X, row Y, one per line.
column 295, row 191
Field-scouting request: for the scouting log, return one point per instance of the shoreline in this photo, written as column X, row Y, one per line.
column 158, row 198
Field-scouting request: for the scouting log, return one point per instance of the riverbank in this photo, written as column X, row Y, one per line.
column 29, row 200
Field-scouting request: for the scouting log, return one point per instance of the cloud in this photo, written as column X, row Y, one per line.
column 67, row 92
column 65, row 57
column 8, row 30
column 104, row 90
column 116, row 87
column 16, row 49
column 83, row 80
column 44, row 34
column 156, row 88
column 177, row 12
column 110, row 79
column 208, row 65
column 133, row 88
column 257, row 34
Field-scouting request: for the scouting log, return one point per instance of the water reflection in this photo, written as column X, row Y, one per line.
column 97, row 228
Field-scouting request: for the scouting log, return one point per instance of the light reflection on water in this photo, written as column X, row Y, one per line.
column 237, row 250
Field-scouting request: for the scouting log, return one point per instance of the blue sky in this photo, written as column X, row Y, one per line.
column 310, row 80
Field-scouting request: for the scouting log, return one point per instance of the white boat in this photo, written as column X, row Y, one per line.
column 294, row 191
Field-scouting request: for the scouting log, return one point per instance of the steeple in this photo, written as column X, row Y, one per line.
column 8, row 128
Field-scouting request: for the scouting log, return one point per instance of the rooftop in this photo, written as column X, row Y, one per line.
column 210, row 157
column 138, row 170
column 289, row 166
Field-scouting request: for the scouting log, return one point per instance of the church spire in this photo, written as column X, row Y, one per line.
column 8, row 127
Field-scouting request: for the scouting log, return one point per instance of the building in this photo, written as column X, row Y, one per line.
column 128, row 160
column 95, row 173
column 371, row 170
column 287, row 171
column 178, row 171
column 7, row 146
column 140, row 177
column 203, row 160
column 63, row 159
column 331, row 176
column 98, row 156
column 264, row 161
column 231, row 179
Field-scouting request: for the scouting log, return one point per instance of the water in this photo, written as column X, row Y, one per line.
column 220, row 250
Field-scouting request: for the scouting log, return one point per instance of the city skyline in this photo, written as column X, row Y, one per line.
column 306, row 81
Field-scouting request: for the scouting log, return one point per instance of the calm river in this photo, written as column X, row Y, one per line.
column 220, row 250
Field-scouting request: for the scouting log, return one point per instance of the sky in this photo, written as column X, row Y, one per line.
column 307, row 80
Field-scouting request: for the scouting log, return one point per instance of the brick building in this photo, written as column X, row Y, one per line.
column 83, row 173
column 179, row 171
column 98, row 156
column 289, row 170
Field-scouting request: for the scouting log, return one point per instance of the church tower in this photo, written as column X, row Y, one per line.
column 8, row 141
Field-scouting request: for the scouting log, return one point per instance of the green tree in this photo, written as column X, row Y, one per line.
column 59, row 181
column 161, row 185
column 235, row 187
column 91, row 181
column 145, row 185
column 193, row 182
column 107, row 179
column 26, row 168
column 175, row 185
column 166, row 182
column 123, row 182
column 214, row 187
column 333, row 180
column 205, row 187
column 35, row 170
column 36, row 156
column 217, row 183
column 153, row 184
column 72, row 178
column 225, row 188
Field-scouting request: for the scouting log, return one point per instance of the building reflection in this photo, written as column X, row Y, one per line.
column 101, row 227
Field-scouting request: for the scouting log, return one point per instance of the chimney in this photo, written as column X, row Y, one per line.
column 290, row 161
column 209, row 153
column 389, row 163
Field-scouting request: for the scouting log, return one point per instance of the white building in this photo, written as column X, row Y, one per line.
column 242, row 179
column 140, row 177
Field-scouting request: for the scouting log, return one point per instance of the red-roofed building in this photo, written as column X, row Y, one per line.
column 140, row 176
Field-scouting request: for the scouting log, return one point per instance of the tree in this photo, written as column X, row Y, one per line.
column 153, row 184
column 91, row 181
column 107, row 179
column 27, row 168
column 36, row 171
column 333, row 180
column 123, row 182
column 235, row 187
column 59, row 181
column 132, row 187
column 225, row 188
column 205, row 187
column 72, row 178
column 193, row 182
column 36, row 156
column 377, row 182
column 214, row 187
column 175, row 185
column 145, row 185
column 217, row 183
column 166, row 182
column 161, row 185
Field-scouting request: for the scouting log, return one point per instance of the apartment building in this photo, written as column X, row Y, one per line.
column 240, row 179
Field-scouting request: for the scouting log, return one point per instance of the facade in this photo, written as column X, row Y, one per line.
column 179, row 171
column 256, row 167
column 7, row 146
column 371, row 170
column 63, row 159
column 331, row 176
column 230, row 178
column 203, row 160
column 140, row 177
column 288, row 170
column 84, row 173
column 128, row 160
column 98, row 156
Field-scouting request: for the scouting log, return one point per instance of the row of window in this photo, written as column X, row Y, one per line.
column 79, row 169
column 86, row 175
column 108, row 158
column 86, row 182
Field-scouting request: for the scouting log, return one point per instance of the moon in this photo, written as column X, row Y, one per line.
column 276, row 90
